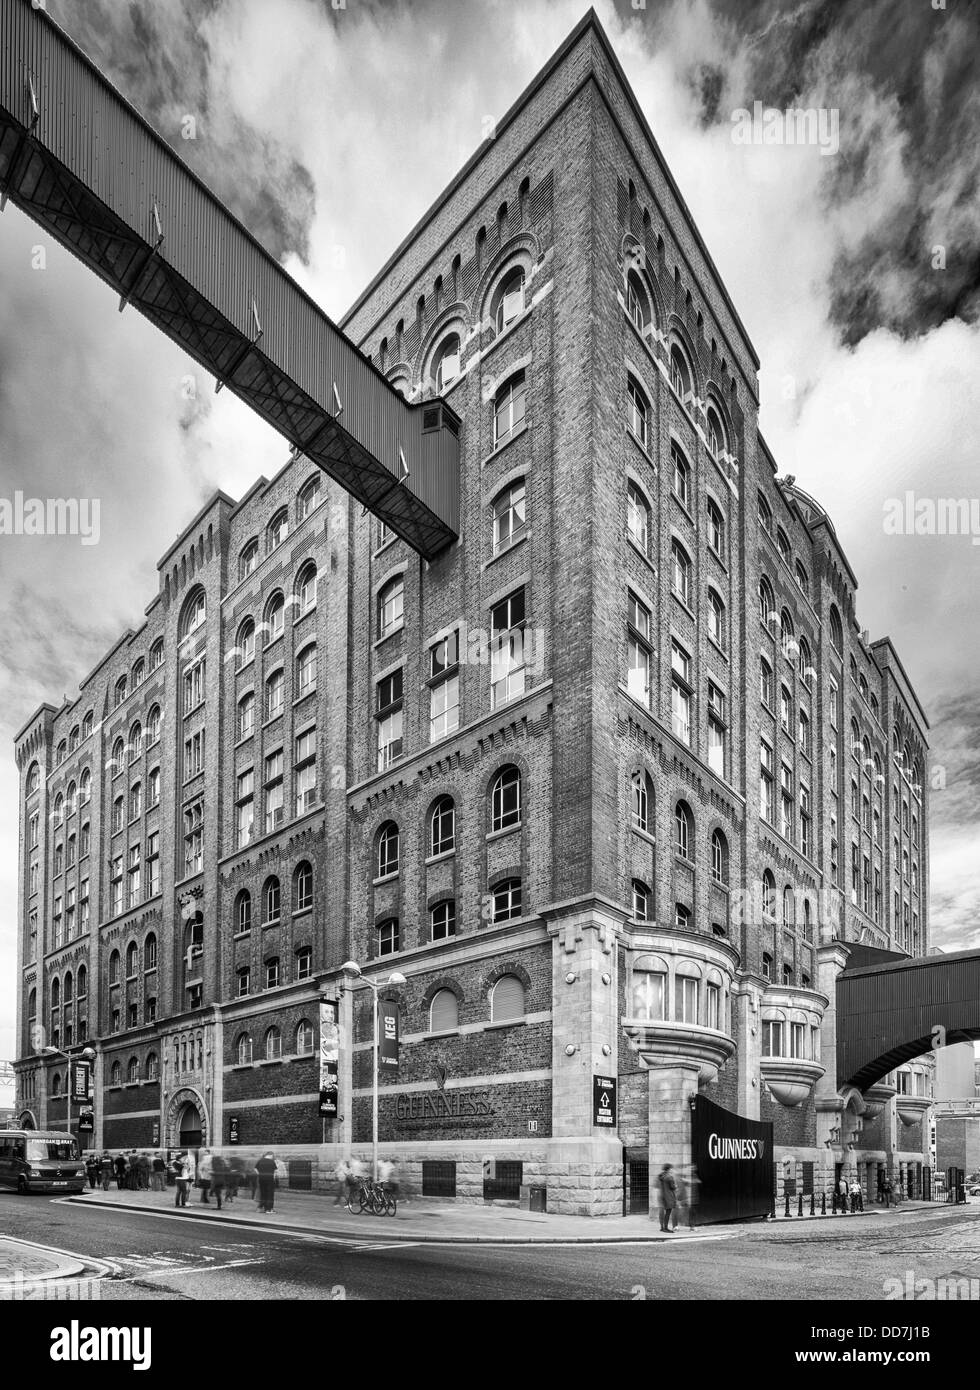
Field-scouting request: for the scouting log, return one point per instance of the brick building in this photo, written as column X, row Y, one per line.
column 612, row 782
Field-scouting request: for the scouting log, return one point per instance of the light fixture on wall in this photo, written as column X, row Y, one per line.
column 606, row 979
column 570, row 1049
column 606, row 1049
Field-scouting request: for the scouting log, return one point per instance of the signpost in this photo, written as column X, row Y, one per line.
column 604, row 1102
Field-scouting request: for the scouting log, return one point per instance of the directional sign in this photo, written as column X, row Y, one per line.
column 604, row 1101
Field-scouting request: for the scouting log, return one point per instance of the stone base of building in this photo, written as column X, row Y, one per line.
column 802, row 1171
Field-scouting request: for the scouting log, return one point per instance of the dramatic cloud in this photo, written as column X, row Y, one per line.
column 329, row 131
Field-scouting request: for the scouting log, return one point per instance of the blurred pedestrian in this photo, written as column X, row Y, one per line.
column 667, row 1197
column 106, row 1167
column 185, row 1174
column 120, row 1166
column 132, row 1171
column 857, row 1196
column 219, row 1176
column 341, row 1173
column 842, row 1191
column 158, row 1173
column 204, row 1169
column 92, row 1168
column 144, row 1167
column 886, row 1190
column 265, row 1171
column 693, row 1196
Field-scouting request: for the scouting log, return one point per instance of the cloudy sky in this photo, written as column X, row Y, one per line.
column 330, row 128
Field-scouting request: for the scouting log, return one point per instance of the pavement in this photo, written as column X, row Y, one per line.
column 421, row 1220
column 23, row 1262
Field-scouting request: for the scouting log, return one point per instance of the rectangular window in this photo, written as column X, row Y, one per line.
column 877, row 895
column 866, row 885
column 116, row 884
column 772, row 1038
column 680, row 692
column 765, row 683
column 834, row 695
column 797, row 1040
column 766, row 783
column 193, row 686
column 273, row 792
column 716, row 730
column 245, row 807
column 786, row 801
column 306, row 791
column 444, row 687
column 388, row 714
column 274, row 689
column 804, row 731
column 194, row 755
column 713, row 1001
column 134, row 875
column 686, row 999
column 153, row 864
column 806, row 839
column 194, row 838
column 507, row 654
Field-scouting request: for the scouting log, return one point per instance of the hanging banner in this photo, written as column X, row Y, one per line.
column 388, row 1028
column 329, row 1059
column 732, row 1160
column 81, row 1081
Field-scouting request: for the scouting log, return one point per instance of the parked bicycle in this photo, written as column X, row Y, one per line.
column 367, row 1195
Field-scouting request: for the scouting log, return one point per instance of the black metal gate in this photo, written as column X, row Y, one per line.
column 505, row 1185
column 638, row 1188
column 438, row 1178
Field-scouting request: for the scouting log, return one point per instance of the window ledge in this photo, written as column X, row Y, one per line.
column 502, row 834
column 509, row 548
column 504, row 444
column 305, row 614
column 506, row 1023
column 384, row 878
column 438, row 858
column 242, row 935
column 386, row 637
column 642, row 448
column 446, row 1032
column 682, row 603
column 638, row 550
column 719, row 649
column 305, row 696
column 644, row 835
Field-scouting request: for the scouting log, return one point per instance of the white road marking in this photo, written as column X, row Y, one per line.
column 164, row 1273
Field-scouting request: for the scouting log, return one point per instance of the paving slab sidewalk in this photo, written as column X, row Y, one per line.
column 418, row 1220
column 22, row 1262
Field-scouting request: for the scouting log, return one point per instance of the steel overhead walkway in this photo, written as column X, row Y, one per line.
column 80, row 160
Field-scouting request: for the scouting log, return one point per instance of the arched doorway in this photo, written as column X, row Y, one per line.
column 27, row 1120
column 190, row 1130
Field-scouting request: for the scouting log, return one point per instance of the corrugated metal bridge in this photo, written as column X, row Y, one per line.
column 80, row 160
column 892, row 1008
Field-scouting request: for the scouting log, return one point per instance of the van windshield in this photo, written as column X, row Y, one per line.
column 51, row 1150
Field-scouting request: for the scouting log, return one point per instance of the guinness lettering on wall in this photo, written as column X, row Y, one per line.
column 458, row 1107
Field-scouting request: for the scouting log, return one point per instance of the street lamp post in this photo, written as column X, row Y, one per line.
column 351, row 967
column 86, row 1055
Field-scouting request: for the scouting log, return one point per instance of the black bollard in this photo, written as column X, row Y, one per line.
column 800, row 1206
column 812, row 1201
column 823, row 1204
column 787, row 1204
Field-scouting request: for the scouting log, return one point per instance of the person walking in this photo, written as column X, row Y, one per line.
column 204, row 1170
column 184, row 1177
column 106, row 1171
column 144, row 1168
column 341, row 1173
column 158, row 1173
column 857, row 1196
column 265, row 1171
column 219, row 1176
column 667, row 1190
column 886, row 1190
column 92, row 1168
column 842, row 1194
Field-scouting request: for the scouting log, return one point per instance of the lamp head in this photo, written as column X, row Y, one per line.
column 350, row 967
column 397, row 978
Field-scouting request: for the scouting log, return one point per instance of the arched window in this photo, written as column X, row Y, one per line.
column 765, row 514
column 648, row 989
column 273, row 1044
column 149, row 953
column 509, row 516
column 306, row 587
column 243, row 911
column 152, row 1066
column 802, row 578
column 680, row 372
column 836, row 631
column 389, row 939
column 508, row 900
column 139, row 673
column 507, row 302
column 274, row 617
column 246, row 642
column 119, row 694
column 687, row 992
column 641, row 901
column 309, row 498
column 56, row 1081
column 507, row 1000
column 388, row 849
column 786, row 637
column 637, row 518
column 194, row 613
column 302, row 886
column 637, row 410
column 132, row 960
column 33, row 779
column 135, row 742
column 782, row 544
column 156, row 655
column 446, row 362
column 442, row 920
column 807, row 920
column 682, row 475
column 509, row 408
column 59, row 809
column 82, row 982
column 719, row 858
column 243, row 1049
column 638, row 301
column 71, row 799
column 69, row 987
column 306, row 671
column 683, row 830
column 806, row 663
column 391, row 606
column 442, row 826
column 246, row 716
column 766, row 599
column 249, row 558
column 681, row 572
column 133, row 1069
column 73, row 739
column 768, row 893
column 271, row 899
column 857, row 747
column 277, row 531
column 114, row 968
column 641, row 787
column 505, row 799
column 304, row 1038
column 788, row 913
column 717, row 438
column 443, row 1012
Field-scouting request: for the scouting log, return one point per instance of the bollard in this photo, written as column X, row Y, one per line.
column 823, row 1204
column 799, row 1211
column 812, row 1206
column 787, row 1204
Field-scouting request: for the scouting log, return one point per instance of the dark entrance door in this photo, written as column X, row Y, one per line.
column 638, row 1187
column 189, row 1133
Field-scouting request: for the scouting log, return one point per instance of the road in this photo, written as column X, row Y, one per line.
column 174, row 1256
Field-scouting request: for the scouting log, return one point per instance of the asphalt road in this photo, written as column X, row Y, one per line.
column 157, row 1256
